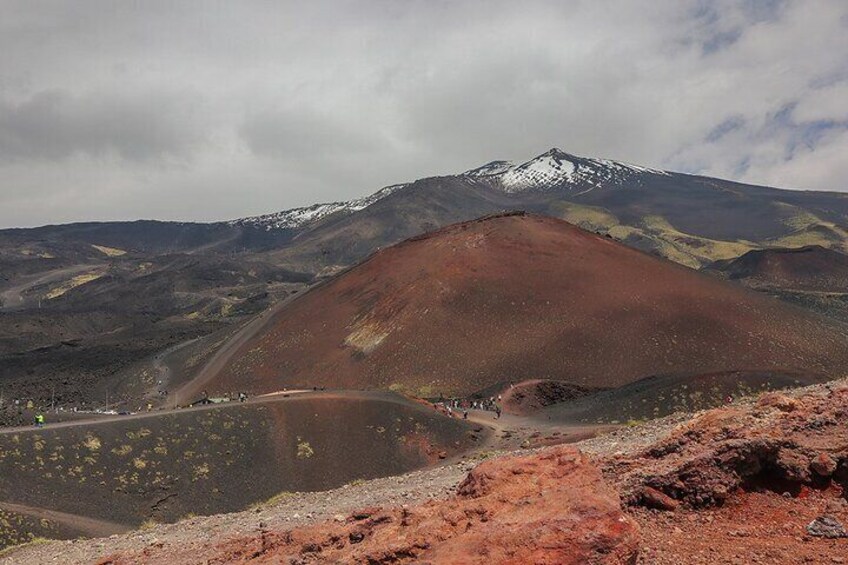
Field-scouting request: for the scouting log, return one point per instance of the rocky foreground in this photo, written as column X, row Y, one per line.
column 763, row 481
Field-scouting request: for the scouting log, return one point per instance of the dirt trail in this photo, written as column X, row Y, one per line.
column 102, row 419
column 163, row 369
column 12, row 298
column 512, row 431
column 83, row 524
column 219, row 360
column 281, row 396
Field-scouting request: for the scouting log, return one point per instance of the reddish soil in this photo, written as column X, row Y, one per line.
column 812, row 268
column 528, row 397
column 518, row 297
column 546, row 509
column 751, row 527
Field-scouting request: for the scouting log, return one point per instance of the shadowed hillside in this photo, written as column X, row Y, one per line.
column 813, row 277
column 811, row 268
column 655, row 397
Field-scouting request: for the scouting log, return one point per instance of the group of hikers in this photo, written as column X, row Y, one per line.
column 463, row 405
column 206, row 399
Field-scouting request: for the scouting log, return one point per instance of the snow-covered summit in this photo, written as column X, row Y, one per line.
column 553, row 169
column 557, row 168
column 297, row 217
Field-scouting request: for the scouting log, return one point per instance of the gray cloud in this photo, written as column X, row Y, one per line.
column 292, row 135
column 55, row 124
column 199, row 110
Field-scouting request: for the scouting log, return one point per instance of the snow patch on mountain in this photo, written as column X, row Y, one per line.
column 493, row 168
column 298, row 217
column 557, row 168
column 543, row 172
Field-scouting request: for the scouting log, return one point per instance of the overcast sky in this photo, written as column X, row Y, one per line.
column 215, row 110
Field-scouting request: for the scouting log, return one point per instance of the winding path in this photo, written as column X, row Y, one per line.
column 83, row 524
column 223, row 355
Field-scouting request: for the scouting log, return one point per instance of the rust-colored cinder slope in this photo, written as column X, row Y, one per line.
column 517, row 297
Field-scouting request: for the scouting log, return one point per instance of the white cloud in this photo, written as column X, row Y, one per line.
column 824, row 104
column 204, row 110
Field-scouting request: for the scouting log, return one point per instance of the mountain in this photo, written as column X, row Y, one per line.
column 514, row 297
column 62, row 284
column 690, row 219
column 558, row 169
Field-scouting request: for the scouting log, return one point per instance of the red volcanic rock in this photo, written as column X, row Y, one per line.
column 779, row 401
column 652, row 498
column 551, row 508
column 708, row 459
column 824, row 465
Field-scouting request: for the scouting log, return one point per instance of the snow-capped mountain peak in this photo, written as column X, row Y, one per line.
column 556, row 168
column 546, row 170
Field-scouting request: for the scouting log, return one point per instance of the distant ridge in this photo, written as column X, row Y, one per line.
column 690, row 219
column 810, row 268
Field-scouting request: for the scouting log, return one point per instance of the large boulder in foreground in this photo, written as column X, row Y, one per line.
column 547, row 508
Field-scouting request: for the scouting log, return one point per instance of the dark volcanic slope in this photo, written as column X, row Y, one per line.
column 164, row 466
column 78, row 344
column 517, row 297
column 811, row 268
column 655, row 397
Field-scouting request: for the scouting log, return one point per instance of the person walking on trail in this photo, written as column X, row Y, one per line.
column 497, row 412
column 39, row 420
column 465, row 415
